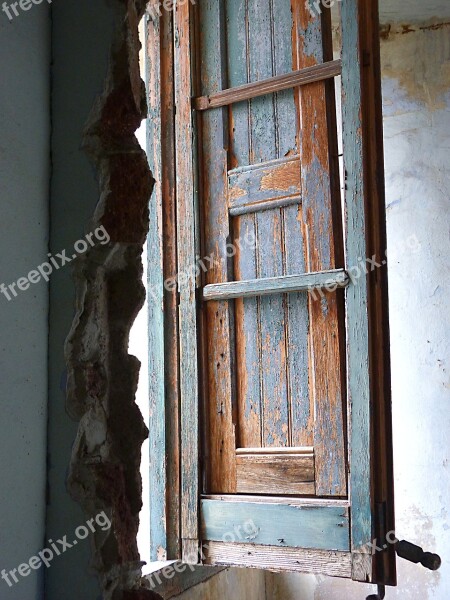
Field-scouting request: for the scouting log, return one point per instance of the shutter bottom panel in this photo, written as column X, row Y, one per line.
column 275, row 471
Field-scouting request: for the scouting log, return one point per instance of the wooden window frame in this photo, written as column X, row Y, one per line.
column 174, row 395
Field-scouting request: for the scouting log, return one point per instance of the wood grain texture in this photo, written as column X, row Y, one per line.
column 170, row 269
column 157, row 414
column 276, row 474
column 220, row 426
column 358, row 384
column 268, row 185
column 269, row 85
column 187, row 300
column 367, row 299
column 294, row 526
column 275, row 285
column 319, row 232
column 276, row 559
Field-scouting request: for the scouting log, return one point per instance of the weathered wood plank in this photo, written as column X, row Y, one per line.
column 319, row 231
column 275, row 420
column 358, row 383
column 186, row 265
column 220, row 428
column 269, row 85
column 248, row 342
column 275, row 473
column 171, row 359
column 301, row 403
column 276, row 285
column 320, row 527
column 276, row 559
column 268, row 185
column 288, row 500
column 371, row 480
column 155, row 300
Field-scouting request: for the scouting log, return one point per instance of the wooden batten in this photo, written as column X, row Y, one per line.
column 276, row 559
column 269, row 85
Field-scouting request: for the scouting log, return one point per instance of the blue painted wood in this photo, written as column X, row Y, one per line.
column 320, row 230
column 301, row 401
column 269, row 185
column 284, row 525
column 157, row 436
column 276, row 285
column 358, row 381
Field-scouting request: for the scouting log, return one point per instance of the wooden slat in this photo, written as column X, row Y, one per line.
column 276, row 285
column 171, row 359
column 288, row 500
column 276, row 559
column 221, row 476
column 320, row 229
column 248, row 339
column 307, row 526
column 266, row 186
column 275, row 473
column 187, row 304
column 301, row 401
column 269, row 86
column 358, row 383
column 157, row 414
column 265, row 451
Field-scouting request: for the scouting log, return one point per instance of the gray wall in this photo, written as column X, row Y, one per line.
column 24, row 186
column 81, row 39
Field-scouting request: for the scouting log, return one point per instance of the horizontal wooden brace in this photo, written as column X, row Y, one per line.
column 276, row 285
column 283, row 525
column 273, row 558
column 254, row 207
column 268, row 86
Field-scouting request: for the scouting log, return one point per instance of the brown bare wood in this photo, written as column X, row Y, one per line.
column 221, row 446
column 384, row 563
column 171, row 358
column 276, row 559
column 275, row 473
column 268, row 86
column 319, row 232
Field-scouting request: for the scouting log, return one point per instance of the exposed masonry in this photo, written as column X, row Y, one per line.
column 102, row 376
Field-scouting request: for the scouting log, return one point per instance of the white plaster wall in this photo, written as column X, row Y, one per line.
column 24, row 183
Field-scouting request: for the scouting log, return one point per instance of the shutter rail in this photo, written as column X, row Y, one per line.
column 330, row 280
column 326, row 70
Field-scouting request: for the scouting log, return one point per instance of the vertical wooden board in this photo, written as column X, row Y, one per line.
column 273, row 341
column 238, row 72
column 186, row 285
column 264, row 146
column 157, row 438
column 221, row 427
column 282, row 60
column 300, row 401
column 356, row 294
column 246, row 311
column 171, row 357
column 263, row 140
column 329, row 441
column 247, row 340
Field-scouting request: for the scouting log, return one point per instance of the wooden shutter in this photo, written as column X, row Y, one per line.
column 277, row 345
